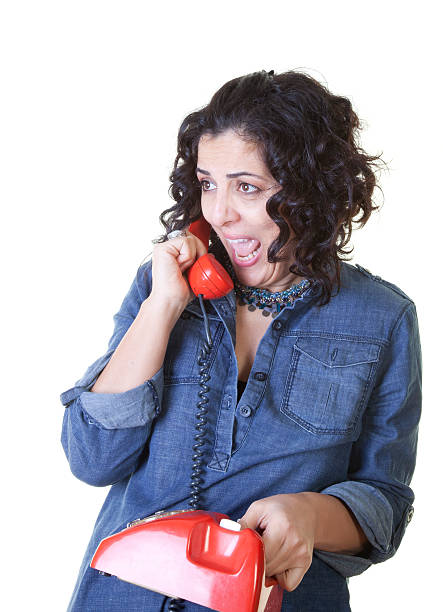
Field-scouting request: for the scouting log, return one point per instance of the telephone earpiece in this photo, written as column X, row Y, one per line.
column 207, row 276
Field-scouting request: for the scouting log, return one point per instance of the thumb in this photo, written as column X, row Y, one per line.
column 252, row 518
column 242, row 523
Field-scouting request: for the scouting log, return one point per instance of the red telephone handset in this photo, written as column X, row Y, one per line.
column 207, row 276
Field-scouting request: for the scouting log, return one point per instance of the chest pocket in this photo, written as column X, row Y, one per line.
column 328, row 383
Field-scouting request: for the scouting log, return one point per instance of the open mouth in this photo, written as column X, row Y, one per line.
column 245, row 250
column 247, row 257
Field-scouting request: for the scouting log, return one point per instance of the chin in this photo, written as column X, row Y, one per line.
column 250, row 278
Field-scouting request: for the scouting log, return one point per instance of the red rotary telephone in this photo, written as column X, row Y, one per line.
column 198, row 556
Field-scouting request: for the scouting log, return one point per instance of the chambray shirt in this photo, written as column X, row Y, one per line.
column 331, row 405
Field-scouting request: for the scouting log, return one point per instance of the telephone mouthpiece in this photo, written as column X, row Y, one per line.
column 208, row 277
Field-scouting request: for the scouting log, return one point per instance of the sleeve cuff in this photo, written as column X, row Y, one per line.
column 346, row 565
column 87, row 380
column 133, row 408
column 375, row 516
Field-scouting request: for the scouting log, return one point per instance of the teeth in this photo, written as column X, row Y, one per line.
column 237, row 240
column 250, row 256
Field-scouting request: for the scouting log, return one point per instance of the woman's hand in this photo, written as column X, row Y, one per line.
column 170, row 260
column 287, row 525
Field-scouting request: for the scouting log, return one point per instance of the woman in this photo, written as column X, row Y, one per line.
column 315, row 385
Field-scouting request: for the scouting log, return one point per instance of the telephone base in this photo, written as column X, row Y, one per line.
column 190, row 555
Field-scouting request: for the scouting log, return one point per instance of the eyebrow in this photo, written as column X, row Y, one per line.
column 234, row 174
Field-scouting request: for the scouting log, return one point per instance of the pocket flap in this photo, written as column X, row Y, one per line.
column 337, row 352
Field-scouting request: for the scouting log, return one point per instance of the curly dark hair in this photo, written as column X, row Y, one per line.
column 307, row 137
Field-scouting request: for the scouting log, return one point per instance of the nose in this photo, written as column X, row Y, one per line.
column 223, row 208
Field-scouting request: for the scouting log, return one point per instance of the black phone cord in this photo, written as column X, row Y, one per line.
column 194, row 503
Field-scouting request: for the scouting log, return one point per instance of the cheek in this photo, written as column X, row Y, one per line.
column 269, row 230
column 205, row 210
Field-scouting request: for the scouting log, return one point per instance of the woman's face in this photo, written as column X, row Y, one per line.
column 235, row 185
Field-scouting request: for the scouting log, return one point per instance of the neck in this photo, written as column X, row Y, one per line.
column 283, row 285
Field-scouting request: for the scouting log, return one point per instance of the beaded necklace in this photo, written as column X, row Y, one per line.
column 269, row 303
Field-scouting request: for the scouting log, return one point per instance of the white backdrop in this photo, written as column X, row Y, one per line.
column 93, row 93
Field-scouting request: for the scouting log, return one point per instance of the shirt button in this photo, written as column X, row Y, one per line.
column 227, row 401
column 260, row 376
column 277, row 325
column 410, row 514
column 245, row 411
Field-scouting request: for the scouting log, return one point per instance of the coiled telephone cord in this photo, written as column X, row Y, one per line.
column 197, row 458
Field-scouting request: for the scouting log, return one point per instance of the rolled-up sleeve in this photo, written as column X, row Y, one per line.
column 383, row 459
column 103, row 434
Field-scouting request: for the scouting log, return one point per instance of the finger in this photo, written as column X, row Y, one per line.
column 291, row 554
column 278, row 557
column 252, row 517
column 271, row 532
column 277, row 551
column 190, row 248
column 200, row 246
column 291, row 578
column 185, row 250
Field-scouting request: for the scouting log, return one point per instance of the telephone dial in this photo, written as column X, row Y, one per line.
column 192, row 554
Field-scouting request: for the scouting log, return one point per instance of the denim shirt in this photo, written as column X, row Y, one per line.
column 332, row 405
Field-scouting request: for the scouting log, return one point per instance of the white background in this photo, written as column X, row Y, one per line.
column 92, row 97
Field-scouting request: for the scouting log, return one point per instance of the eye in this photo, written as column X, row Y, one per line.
column 205, row 185
column 248, row 188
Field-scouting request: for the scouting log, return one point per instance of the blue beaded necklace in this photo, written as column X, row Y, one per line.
column 269, row 303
